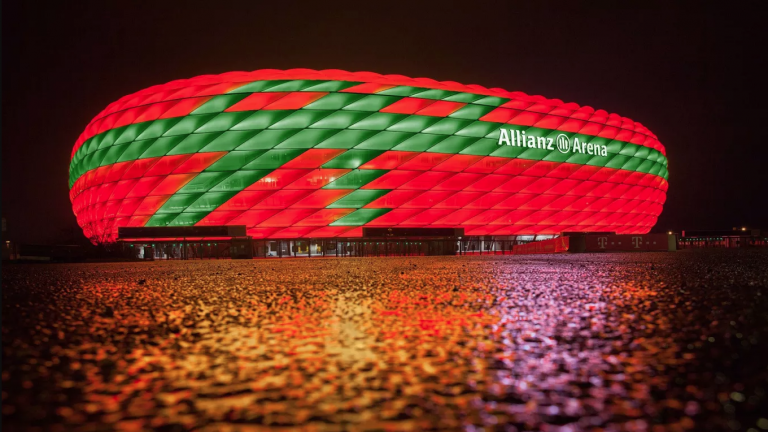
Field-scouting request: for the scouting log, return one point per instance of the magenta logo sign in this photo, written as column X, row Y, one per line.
column 637, row 241
column 602, row 242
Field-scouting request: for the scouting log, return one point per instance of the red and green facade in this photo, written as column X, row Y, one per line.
column 319, row 154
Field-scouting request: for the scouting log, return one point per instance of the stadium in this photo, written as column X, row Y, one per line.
column 305, row 154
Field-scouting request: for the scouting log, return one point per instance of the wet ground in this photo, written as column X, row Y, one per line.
column 655, row 341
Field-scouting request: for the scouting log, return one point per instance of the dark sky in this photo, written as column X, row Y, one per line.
column 694, row 75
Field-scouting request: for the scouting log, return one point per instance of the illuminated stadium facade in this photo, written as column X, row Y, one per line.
column 323, row 154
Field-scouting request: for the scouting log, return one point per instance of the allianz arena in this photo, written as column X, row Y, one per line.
column 323, row 154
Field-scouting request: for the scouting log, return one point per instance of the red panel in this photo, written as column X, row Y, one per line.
column 393, row 217
column 389, row 160
column 278, row 179
column 408, row 105
column 540, row 168
column 171, row 184
column 138, row 221
column 324, row 217
column 393, row 199
column 256, row 101
column 153, row 112
column 292, row 232
column 318, row 178
column 117, row 170
column 295, row 100
column 260, row 233
column 198, row 162
column 487, row 164
column 489, row 182
column 184, row 107
column 151, row 204
column 459, row 199
column 441, row 109
column 428, row 199
column 129, row 206
column 166, row 164
column 218, row 217
column 287, row 217
column 313, row 158
column 489, row 200
column 457, row 163
column 517, row 184
column 459, row 181
column 252, row 217
column 144, row 186
column 515, row 201
column 321, row 198
column 427, row 180
column 538, row 202
column 458, row 217
column 516, row 166
column 122, row 188
column 500, row 115
column 282, row 199
column 329, row 231
column 541, row 185
column 244, row 200
column 425, row 161
column 139, row 167
column 427, row 216
column 486, row 217
column 392, row 179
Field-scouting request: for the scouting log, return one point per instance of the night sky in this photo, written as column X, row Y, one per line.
column 694, row 76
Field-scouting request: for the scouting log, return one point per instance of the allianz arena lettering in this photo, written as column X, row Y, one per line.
column 320, row 154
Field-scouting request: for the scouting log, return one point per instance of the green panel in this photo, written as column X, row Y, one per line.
column 234, row 160
column 193, row 143
column 185, row 126
column 161, row 219
column 332, row 86
column 229, row 140
column 401, row 91
column 346, row 139
column 556, row 156
column 481, row 147
column 135, row 150
column 352, row 159
column 355, row 179
column 414, row 123
column 240, row 180
column 419, row 142
column 307, row 138
column 299, row 119
column 188, row 219
column 372, row 103
column 632, row 164
column 508, row 151
column 223, row 121
column 358, row 198
column 452, row 144
column 384, row 140
column 93, row 143
column 178, row 202
column 209, row 201
column 219, row 103
column 273, row 159
column 110, row 136
column 294, row 85
column 645, row 166
column 131, row 132
column 162, row 146
column 113, row 153
column 481, row 129
column 340, row 120
column 464, row 97
column 203, row 182
column 267, row 139
column 434, row 94
column 159, row 127
column 628, row 150
column 642, row 152
column 578, row 158
column 471, row 112
column 533, row 153
column 378, row 121
column 447, row 126
column 261, row 119
column 615, row 147
column 360, row 217
column 257, row 86
column 334, row 101
column 617, row 161
column 491, row 101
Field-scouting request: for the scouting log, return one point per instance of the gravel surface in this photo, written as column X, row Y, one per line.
column 655, row 341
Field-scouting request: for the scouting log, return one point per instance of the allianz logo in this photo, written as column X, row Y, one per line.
column 562, row 143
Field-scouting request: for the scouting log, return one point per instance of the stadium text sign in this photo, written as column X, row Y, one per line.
column 562, row 143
